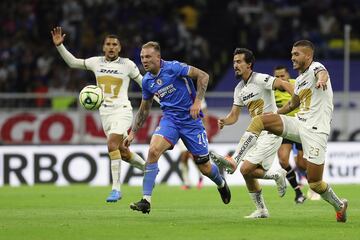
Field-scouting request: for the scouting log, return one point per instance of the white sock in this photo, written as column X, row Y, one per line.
column 147, row 198
column 115, row 173
column 258, row 200
column 184, row 169
column 137, row 161
column 270, row 174
column 330, row 196
column 246, row 142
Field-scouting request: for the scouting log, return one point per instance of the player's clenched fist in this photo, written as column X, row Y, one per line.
column 221, row 123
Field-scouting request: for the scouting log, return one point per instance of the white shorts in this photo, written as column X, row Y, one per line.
column 314, row 144
column 118, row 122
column 264, row 151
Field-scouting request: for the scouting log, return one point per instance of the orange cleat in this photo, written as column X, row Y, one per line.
column 341, row 214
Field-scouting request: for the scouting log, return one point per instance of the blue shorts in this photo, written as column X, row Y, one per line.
column 191, row 132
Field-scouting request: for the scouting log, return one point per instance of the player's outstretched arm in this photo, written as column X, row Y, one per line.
column 322, row 77
column 58, row 39
column 140, row 118
column 57, row 36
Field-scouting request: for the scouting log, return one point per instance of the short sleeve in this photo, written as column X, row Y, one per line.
column 317, row 67
column 268, row 81
column 237, row 98
column 146, row 94
column 134, row 70
column 181, row 69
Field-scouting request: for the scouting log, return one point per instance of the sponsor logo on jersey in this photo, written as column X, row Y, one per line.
column 249, row 96
column 267, row 79
column 302, row 84
column 166, row 90
column 109, row 71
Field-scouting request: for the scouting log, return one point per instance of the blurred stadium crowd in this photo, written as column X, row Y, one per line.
column 199, row 32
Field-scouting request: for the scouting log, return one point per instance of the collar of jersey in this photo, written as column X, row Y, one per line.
column 307, row 67
column 246, row 82
column 117, row 59
column 161, row 67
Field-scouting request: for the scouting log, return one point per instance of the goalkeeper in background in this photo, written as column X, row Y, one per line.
column 113, row 74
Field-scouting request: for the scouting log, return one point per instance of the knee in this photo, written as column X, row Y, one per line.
column 318, row 187
column 245, row 171
column 203, row 164
column 283, row 161
column 112, row 145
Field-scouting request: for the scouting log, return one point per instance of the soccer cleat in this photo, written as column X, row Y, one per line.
column 142, row 206
column 259, row 213
column 228, row 163
column 225, row 192
column 341, row 214
column 300, row 199
column 114, row 196
column 280, row 179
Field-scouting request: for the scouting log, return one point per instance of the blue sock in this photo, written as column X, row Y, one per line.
column 215, row 175
column 151, row 171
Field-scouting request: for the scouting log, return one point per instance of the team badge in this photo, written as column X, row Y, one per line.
column 159, row 81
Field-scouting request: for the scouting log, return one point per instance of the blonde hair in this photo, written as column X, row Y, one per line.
column 152, row 44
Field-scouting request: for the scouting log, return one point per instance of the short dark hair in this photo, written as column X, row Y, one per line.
column 112, row 36
column 249, row 56
column 152, row 44
column 279, row 67
column 304, row 43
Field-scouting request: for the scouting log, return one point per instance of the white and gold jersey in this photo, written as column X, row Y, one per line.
column 114, row 79
column 257, row 94
column 316, row 105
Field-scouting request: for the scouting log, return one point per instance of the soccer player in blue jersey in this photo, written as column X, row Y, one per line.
column 171, row 82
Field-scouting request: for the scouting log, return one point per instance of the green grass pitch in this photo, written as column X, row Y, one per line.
column 80, row 212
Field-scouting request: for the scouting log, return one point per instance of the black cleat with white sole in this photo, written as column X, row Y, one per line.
column 142, row 206
column 225, row 192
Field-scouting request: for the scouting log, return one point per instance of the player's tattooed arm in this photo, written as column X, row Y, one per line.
column 142, row 114
column 202, row 81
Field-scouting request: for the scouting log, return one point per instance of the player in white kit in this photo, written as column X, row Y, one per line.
column 113, row 74
column 256, row 92
column 311, row 125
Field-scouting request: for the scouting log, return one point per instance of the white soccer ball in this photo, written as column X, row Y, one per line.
column 91, row 97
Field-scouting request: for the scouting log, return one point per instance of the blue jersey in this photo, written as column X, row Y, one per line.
column 173, row 87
